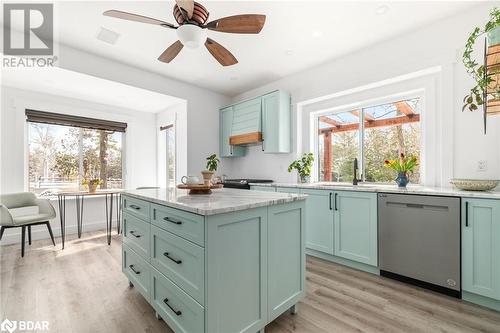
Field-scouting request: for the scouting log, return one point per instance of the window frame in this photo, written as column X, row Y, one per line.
column 80, row 152
column 393, row 98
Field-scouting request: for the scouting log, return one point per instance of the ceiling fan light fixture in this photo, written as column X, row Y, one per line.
column 191, row 35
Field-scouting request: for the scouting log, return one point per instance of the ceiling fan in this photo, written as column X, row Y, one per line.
column 192, row 29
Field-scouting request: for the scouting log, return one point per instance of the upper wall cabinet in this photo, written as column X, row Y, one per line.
column 263, row 120
column 225, row 126
column 247, row 117
column 276, row 122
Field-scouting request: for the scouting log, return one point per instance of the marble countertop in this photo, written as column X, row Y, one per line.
column 220, row 201
column 382, row 188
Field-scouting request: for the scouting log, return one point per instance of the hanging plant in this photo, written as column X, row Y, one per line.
column 485, row 84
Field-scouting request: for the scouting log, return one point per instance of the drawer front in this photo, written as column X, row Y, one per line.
column 137, row 270
column 178, row 310
column 136, row 234
column 183, row 224
column 180, row 260
column 138, row 208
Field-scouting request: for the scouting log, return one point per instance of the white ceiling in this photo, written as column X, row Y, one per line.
column 60, row 82
column 297, row 35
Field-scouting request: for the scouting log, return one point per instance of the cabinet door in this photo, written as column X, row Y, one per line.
column 225, row 128
column 276, row 122
column 236, row 271
column 481, row 247
column 319, row 220
column 356, row 226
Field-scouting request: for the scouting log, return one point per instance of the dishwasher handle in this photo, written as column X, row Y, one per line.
column 416, row 206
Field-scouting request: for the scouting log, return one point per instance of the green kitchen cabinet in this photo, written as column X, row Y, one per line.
column 247, row 117
column 225, row 130
column 481, row 248
column 276, row 122
column 319, row 220
column 355, row 219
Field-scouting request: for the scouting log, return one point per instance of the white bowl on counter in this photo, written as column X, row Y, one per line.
column 475, row 184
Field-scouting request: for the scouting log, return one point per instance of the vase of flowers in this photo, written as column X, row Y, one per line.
column 92, row 184
column 212, row 164
column 402, row 166
column 303, row 167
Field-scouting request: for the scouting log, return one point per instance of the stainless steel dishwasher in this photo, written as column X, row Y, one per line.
column 419, row 240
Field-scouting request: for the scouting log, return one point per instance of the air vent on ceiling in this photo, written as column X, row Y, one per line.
column 107, row 36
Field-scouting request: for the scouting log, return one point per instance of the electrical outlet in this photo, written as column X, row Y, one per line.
column 482, row 166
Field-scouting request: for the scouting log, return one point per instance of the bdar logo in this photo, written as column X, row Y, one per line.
column 36, row 25
column 8, row 325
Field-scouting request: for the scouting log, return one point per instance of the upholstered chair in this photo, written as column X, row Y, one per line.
column 10, row 202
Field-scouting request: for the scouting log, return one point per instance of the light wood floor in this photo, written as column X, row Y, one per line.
column 82, row 289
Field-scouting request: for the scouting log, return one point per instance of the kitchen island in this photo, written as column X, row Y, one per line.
column 231, row 261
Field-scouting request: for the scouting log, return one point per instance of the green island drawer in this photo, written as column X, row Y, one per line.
column 183, row 224
column 180, row 260
column 177, row 309
column 137, row 207
column 136, row 234
column 137, row 270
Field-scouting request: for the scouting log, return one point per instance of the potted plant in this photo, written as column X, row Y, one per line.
column 92, row 184
column 212, row 163
column 402, row 166
column 486, row 89
column 303, row 167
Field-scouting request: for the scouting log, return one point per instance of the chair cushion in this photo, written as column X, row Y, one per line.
column 27, row 219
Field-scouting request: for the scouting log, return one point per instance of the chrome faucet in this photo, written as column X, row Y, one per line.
column 355, row 179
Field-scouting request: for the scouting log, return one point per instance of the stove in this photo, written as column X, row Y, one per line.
column 243, row 183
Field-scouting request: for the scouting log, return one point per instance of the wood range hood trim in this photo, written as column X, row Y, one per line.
column 245, row 139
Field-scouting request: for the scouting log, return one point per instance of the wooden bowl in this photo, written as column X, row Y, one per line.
column 199, row 188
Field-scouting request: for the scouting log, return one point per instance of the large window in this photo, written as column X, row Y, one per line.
column 60, row 157
column 371, row 134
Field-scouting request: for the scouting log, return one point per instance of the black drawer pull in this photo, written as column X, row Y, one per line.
column 336, row 204
column 330, row 200
column 466, row 213
column 133, row 234
column 177, row 312
column 178, row 262
column 168, row 219
column 135, row 207
column 133, row 270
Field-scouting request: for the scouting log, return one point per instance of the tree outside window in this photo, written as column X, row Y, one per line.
column 60, row 157
column 388, row 130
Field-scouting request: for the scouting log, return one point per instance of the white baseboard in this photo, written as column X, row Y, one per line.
column 13, row 235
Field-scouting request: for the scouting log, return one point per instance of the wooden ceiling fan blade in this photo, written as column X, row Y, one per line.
column 239, row 24
column 220, row 53
column 136, row 18
column 187, row 5
column 171, row 52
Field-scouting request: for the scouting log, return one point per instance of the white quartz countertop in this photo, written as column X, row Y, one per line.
column 382, row 188
column 220, row 201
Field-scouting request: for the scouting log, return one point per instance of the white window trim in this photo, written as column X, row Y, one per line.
column 436, row 124
column 420, row 94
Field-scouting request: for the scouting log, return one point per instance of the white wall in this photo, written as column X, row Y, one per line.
column 439, row 44
column 202, row 104
column 139, row 153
